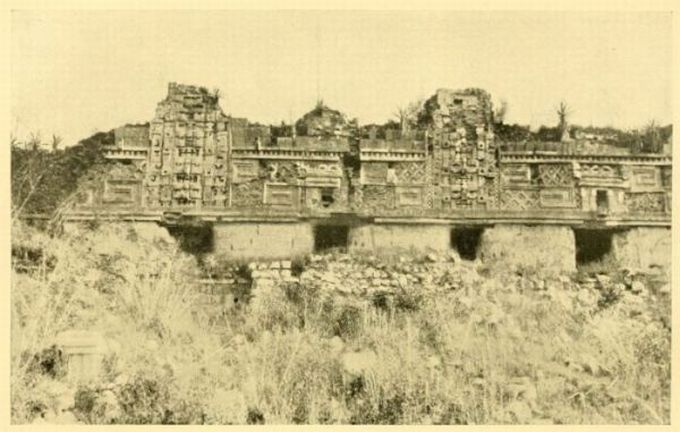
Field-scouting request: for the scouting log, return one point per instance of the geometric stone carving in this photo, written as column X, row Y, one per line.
column 447, row 160
column 555, row 174
column 120, row 191
column 645, row 202
column 515, row 174
column 558, row 198
column 645, row 178
column 409, row 196
column 519, row 199
column 410, row 173
column 280, row 194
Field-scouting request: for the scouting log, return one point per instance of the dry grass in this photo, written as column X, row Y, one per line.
column 489, row 353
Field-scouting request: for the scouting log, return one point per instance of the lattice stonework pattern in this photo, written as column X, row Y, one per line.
column 411, row 173
column 645, row 202
column 555, row 174
column 428, row 197
column 578, row 198
column 519, row 199
column 490, row 191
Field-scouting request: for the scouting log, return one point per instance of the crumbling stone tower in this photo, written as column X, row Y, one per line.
column 187, row 163
column 459, row 125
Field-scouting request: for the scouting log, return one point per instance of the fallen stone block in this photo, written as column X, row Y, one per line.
column 85, row 351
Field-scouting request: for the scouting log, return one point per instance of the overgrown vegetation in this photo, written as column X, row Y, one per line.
column 649, row 139
column 44, row 175
column 486, row 348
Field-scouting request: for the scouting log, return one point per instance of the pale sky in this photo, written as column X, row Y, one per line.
column 74, row 73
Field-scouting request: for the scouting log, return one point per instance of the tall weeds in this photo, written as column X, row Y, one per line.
column 495, row 350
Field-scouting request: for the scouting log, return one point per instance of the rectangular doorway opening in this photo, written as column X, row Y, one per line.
column 465, row 240
column 327, row 237
column 602, row 201
column 592, row 245
column 195, row 239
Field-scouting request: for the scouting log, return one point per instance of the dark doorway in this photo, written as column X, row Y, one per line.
column 465, row 240
column 602, row 201
column 327, row 198
column 194, row 239
column 592, row 245
column 330, row 237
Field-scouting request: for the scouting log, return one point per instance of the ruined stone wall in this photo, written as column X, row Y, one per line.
column 534, row 186
column 601, row 186
column 643, row 248
column 446, row 166
column 454, row 168
column 548, row 248
column 131, row 143
column 262, row 240
column 309, row 183
column 113, row 187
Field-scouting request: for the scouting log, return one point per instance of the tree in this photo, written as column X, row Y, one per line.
column 56, row 140
column 651, row 137
column 500, row 112
column 563, row 112
column 407, row 116
column 42, row 175
column 30, row 164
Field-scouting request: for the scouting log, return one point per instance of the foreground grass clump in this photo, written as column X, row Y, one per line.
column 420, row 343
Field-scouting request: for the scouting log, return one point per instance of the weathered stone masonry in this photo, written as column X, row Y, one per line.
column 271, row 192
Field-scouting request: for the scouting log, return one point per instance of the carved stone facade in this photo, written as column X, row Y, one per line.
column 447, row 166
column 187, row 164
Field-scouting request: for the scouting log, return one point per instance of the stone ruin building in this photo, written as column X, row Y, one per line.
column 445, row 182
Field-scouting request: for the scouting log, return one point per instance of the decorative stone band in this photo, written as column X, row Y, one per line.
column 391, row 156
column 287, row 155
column 558, row 158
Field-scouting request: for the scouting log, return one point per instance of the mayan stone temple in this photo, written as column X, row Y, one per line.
column 445, row 182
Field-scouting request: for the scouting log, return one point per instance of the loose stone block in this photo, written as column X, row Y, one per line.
column 85, row 351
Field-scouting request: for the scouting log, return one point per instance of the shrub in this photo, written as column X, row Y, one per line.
column 408, row 300
column 609, row 295
column 50, row 361
column 255, row 416
column 347, row 321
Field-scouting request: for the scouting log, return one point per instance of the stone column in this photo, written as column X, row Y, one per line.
column 643, row 248
column 394, row 238
column 250, row 240
column 550, row 249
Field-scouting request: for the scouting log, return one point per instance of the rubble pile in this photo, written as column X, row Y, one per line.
column 366, row 278
column 189, row 99
column 450, row 110
column 325, row 122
